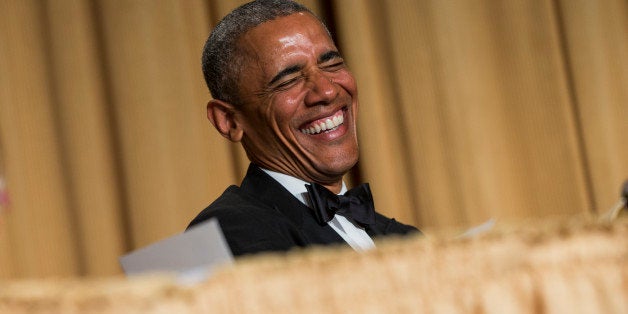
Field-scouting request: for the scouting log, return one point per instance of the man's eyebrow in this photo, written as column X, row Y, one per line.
column 287, row 71
column 329, row 55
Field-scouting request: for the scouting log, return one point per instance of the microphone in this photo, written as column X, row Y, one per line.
column 617, row 208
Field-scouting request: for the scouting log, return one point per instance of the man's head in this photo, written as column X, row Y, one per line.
column 222, row 58
column 294, row 102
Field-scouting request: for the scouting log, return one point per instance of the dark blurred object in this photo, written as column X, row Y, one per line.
column 622, row 204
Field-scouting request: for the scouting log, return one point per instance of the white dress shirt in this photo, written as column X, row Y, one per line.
column 353, row 234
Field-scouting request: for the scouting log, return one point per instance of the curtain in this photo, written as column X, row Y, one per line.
column 469, row 110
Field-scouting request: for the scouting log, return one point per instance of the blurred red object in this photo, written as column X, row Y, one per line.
column 4, row 196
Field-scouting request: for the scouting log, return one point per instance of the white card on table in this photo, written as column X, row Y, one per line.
column 191, row 255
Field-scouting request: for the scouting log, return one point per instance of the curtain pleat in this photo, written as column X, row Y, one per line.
column 40, row 226
column 172, row 164
column 596, row 40
column 84, row 122
column 469, row 110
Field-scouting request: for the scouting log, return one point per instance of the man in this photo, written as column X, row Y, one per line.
column 281, row 88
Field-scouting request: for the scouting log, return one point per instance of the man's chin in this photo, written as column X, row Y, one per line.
column 334, row 169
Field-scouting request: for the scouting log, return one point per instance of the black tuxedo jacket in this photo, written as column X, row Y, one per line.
column 261, row 215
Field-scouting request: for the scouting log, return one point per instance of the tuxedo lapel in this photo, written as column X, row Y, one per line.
column 272, row 194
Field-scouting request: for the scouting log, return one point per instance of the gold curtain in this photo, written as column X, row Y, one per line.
column 470, row 110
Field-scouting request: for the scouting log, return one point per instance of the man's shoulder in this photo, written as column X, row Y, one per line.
column 249, row 224
column 233, row 204
column 390, row 226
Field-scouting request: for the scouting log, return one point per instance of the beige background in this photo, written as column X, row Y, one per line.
column 470, row 110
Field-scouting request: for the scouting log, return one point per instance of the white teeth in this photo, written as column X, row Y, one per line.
column 328, row 124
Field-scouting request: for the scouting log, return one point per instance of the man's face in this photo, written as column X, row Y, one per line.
column 299, row 108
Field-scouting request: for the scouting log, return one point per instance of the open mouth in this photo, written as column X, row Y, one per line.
column 327, row 124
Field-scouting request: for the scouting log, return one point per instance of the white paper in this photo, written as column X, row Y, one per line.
column 485, row 227
column 191, row 255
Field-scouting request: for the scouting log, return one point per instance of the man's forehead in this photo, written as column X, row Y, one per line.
column 286, row 29
column 274, row 40
column 292, row 39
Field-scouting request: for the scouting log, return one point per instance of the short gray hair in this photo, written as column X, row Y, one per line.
column 222, row 58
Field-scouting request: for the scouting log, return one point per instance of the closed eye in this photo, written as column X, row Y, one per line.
column 284, row 75
column 287, row 82
column 331, row 61
column 334, row 66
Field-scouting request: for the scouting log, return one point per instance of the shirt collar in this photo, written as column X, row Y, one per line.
column 296, row 186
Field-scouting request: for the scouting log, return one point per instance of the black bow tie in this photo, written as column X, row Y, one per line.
column 356, row 204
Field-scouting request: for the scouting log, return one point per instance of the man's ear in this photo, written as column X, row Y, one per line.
column 222, row 115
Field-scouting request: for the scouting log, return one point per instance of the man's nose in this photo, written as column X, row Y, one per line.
column 322, row 89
